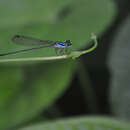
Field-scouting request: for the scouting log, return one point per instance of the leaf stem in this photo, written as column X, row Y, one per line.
column 76, row 54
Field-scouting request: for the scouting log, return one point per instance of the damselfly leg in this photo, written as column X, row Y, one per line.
column 59, row 51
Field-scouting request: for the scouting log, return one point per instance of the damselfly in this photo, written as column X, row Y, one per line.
column 59, row 46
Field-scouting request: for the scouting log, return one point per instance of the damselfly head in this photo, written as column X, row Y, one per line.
column 68, row 42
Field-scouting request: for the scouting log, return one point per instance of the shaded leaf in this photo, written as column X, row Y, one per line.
column 81, row 123
column 119, row 64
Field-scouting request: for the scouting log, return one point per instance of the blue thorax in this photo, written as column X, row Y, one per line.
column 63, row 44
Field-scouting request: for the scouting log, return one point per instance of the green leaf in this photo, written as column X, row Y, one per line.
column 9, row 82
column 81, row 123
column 42, row 85
column 83, row 18
column 17, row 13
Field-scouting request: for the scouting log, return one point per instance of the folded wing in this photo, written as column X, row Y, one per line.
column 25, row 40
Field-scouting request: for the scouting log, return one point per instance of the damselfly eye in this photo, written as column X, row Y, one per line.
column 68, row 41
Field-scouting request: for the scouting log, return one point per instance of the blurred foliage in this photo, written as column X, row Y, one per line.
column 26, row 90
column 119, row 64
